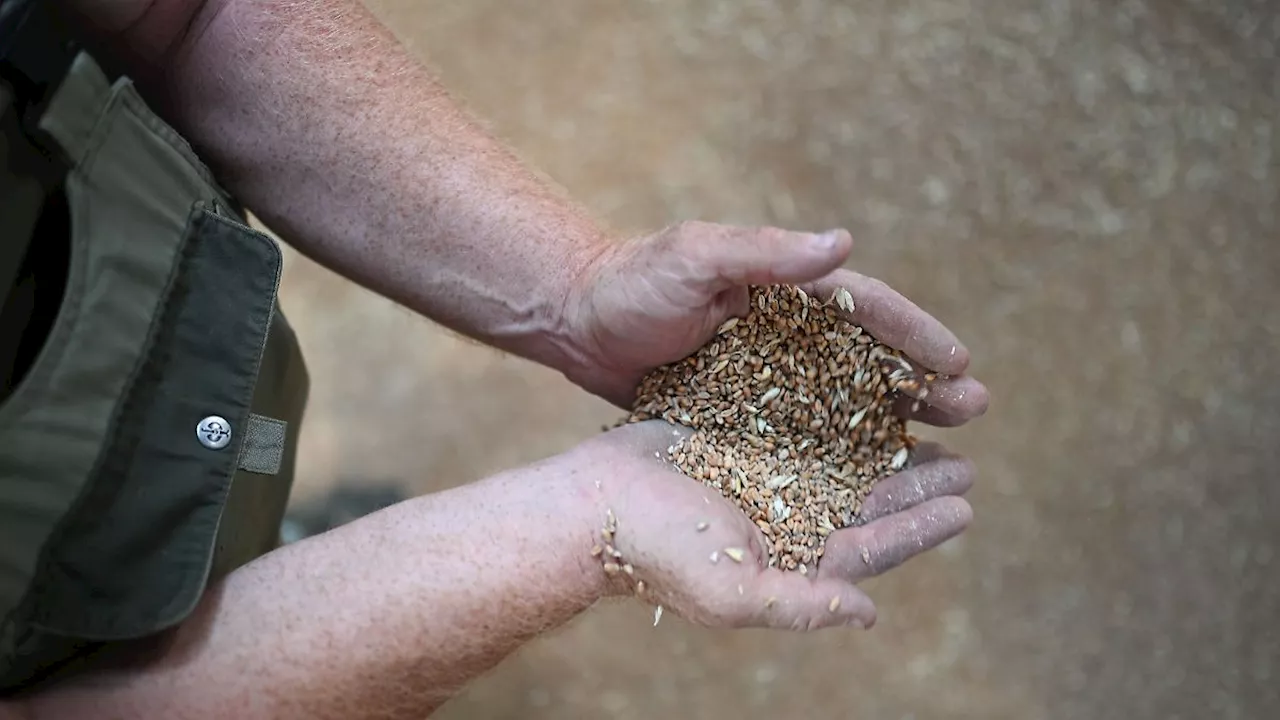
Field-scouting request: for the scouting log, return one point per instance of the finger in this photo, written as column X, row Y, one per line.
column 946, row 475
column 956, row 401
column 856, row 554
column 788, row 601
column 648, row 437
column 896, row 321
column 723, row 256
column 927, row 451
column 912, row 409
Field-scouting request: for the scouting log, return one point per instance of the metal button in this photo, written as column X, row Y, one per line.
column 214, row 432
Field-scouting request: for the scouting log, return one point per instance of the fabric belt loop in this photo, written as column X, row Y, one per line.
column 264, row 443
column 74, row 110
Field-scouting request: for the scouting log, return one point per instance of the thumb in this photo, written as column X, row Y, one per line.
column 797, row 603
column 645, row 438
column 724, row 256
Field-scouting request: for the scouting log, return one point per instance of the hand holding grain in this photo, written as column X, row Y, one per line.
column 656, row 299
column 678, row 544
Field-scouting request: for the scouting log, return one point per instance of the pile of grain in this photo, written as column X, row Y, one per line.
column 792, row 412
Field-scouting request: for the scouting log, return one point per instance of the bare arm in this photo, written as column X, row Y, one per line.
column 385, row 617
column 330, row 131
column 315, row 116
column 391, row 615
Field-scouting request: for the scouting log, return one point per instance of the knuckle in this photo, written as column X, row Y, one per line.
column 916, row 327
column 916, row 490
column 667, row 237
column 952, row 469
column 773, row 235
column 685, row 228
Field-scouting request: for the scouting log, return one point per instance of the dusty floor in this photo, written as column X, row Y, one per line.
column 1086, row 191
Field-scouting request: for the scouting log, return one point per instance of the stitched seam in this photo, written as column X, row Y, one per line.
column 271, row 467
column 27, row 605
column 51, row 356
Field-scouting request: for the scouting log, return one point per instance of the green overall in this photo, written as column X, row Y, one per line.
column 148, row 428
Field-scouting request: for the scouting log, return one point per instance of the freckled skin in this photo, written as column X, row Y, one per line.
column 385, row 617
column 329, row 130
column 314, row 115
column 342, row 142
column 391, row 615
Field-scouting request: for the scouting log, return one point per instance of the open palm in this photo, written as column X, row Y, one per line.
column 701, row 557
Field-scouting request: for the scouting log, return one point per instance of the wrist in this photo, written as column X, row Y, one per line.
column 582, row 336
column 587, row 517
column 567, row 498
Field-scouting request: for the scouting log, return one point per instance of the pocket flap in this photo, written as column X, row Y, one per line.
column 132, row 557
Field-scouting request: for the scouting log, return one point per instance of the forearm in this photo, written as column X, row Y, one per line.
column 315, row 116
column 385, row 617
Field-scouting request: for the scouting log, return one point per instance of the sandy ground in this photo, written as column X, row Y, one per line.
column 1085, row 191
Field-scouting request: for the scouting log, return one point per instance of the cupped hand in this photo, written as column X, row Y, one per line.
column 702, row 558
column 656, row 299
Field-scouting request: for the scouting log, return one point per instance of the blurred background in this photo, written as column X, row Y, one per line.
column 1086, row 192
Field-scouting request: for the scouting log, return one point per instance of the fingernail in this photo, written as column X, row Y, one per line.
column 826, row 240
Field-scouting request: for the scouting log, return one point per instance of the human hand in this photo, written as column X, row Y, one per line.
column 693, row 572
column 652, row 300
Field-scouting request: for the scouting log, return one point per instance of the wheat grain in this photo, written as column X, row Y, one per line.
column 792, row 412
